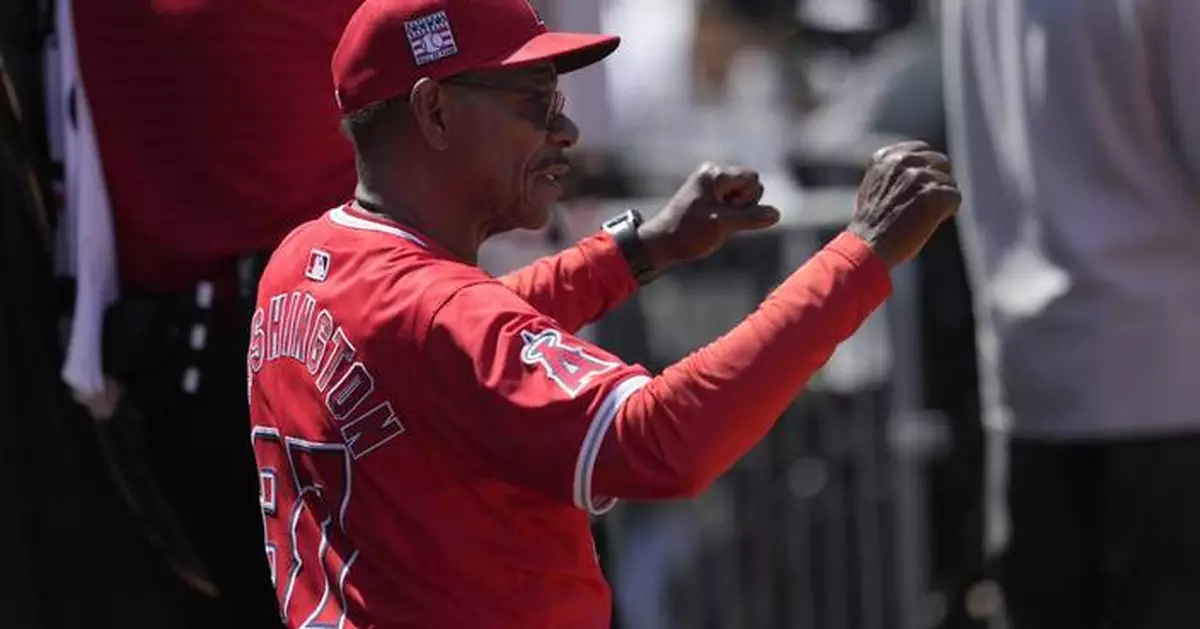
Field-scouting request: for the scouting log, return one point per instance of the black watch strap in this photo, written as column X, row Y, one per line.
column 624, row 230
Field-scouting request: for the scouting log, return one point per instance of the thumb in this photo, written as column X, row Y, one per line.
column 748, row 218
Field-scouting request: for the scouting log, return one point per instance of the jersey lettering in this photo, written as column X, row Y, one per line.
column 254, row 357
column 254, row 353
column 349, row 392
column 304, row 522
column 365, row 417
column 289, row 324
column 298, row 337
column 321, row 333
column 569, row 366
column 275, row 321
column 371, row 430
column 342, row 354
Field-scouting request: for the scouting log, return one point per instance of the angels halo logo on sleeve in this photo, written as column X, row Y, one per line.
column 569, row 366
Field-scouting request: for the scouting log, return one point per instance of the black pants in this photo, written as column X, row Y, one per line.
column 197, row 443
column 1103, row 534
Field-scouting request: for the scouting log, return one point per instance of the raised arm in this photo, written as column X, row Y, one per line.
column 692, row 423
column 559, row 415
column 578, row 285
column 581, row 284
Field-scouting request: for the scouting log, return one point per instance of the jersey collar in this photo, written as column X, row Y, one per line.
column 349, row 215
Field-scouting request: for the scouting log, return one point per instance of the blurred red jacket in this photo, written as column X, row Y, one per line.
column 216, row 124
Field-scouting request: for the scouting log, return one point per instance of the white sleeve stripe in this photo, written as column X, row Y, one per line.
column 595, row 436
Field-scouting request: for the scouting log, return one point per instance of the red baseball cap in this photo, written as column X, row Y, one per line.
column 389, row 45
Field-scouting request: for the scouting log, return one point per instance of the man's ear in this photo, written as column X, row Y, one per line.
column 429, row 108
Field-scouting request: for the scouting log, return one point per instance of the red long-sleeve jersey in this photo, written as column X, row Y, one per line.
column 432, row 441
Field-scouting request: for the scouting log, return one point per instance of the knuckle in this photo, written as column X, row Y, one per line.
column 899, row 157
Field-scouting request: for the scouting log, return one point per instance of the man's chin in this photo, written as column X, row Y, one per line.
column 534, row 217
column 531, row 218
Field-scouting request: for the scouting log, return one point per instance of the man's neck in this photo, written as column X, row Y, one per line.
column 444, row 227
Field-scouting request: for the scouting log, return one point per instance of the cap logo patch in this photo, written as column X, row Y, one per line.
column 430, row 38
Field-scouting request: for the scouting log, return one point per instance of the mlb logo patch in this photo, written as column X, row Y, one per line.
column 318, row 265
column 430, row 38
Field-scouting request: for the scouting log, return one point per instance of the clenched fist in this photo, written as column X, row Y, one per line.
column 713, row 204
column 905, row 195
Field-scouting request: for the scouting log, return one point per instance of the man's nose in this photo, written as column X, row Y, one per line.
column 563, row 133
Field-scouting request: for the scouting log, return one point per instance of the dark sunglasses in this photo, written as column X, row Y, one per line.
column 555, row 102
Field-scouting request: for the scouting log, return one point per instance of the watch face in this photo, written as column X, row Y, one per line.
column 615, row 222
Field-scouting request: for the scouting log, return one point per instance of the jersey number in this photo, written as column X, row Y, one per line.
column 304, row 492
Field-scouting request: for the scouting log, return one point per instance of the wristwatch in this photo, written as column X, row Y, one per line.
column 624, row 229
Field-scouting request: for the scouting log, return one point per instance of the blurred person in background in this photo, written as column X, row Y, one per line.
column 209, row 130
column 1075, row 127
column 74, row 555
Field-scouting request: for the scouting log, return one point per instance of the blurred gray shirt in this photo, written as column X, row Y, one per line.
column 1075, row 133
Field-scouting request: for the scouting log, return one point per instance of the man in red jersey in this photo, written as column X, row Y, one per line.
column 432, row 441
